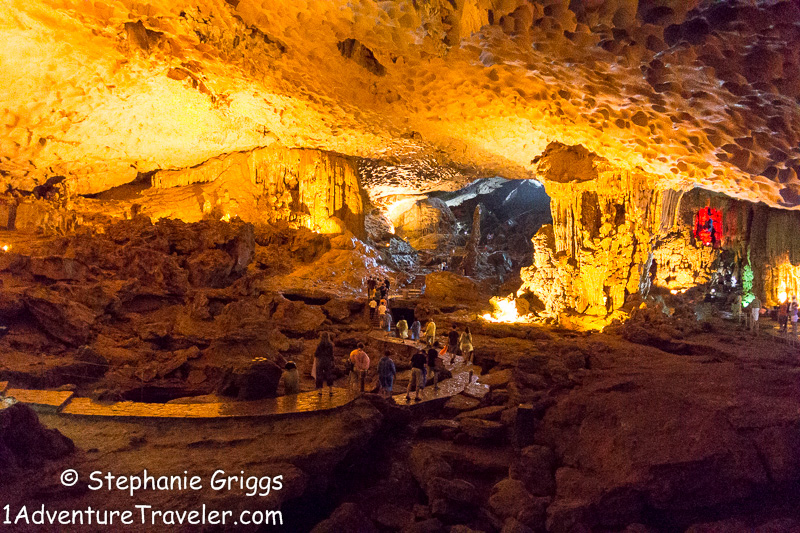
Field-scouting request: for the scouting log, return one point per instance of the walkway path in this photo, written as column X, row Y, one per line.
column 66, row 404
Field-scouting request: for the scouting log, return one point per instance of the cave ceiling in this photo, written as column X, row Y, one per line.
column 692, row 94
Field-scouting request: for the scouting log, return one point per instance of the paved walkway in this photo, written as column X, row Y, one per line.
column 66, row 404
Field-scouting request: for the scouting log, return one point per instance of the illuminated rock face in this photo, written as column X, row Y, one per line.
column 319, row 190
column 610, row 233
column 427, row 224
column 100, row 92
column 590, row 259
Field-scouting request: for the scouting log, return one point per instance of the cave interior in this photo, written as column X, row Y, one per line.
column 602, row 194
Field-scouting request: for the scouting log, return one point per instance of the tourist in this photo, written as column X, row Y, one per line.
column 370, row 286
column 387, row 321
column 373, row 305
column 418, row 361
column 755, row 312
column 793, row 314
column 383, row 290
column 452, row 343
column 433, row 356
column 430, row 333
column 402, row 329
column 386, row 284
column 736, row 308
column 465, row 344
column 323, row 362
column 360, row 361
column 291, row 379
column 386, row 374
column 783, row 317
column 416, row 328
column 382, row 313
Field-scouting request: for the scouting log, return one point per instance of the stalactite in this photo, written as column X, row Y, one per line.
column 312, row 188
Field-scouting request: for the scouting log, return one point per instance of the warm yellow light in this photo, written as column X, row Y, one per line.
column 6, row 247
column 782, row 296
column 226, row 217
column 674, row 291
column 505, row 311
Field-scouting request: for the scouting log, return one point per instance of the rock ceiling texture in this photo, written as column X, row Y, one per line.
column 696, row 94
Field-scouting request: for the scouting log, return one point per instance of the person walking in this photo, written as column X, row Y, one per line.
column 360, row 361
column 465, row 344
column 417, row 368
column 370, row 286
column 373, row 306
column 783, row 317
column 736, row 308
column 433, row 356
column 430, row 333
column 388, row 320
column 755, row 313
column 416, row 329
column 402, row 329
column 793, row 316
column 386, row 373
column 452, row 343
column 323, row 363
column 382, row 313
column 291, row 379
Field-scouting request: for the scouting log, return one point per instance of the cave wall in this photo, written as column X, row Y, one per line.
column 606, row 226
column 316, row 189
column 762, row 237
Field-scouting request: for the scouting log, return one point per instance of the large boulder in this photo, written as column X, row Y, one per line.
column 57, row 268
column 424, row 217
column 25, row 442
column 256, row 380
column 296, row 317
column 535, row 467
column 509, row 499
column 449, row 287
column 630, row 444
column 66, row 320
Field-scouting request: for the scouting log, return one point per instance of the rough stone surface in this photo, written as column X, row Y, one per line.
column 346, row 517
column 450, row 287
column 26, row 443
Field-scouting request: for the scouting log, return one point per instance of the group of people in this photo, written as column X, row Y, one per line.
column 357, row 364
column 788, row 311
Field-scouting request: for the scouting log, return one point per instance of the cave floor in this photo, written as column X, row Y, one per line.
column 711, row 422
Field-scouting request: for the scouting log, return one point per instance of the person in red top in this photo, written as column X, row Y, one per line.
column 360, row 361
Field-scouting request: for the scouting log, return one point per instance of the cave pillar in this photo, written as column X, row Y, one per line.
column 605, row 221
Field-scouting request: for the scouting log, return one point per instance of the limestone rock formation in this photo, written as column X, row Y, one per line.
column 162, row 87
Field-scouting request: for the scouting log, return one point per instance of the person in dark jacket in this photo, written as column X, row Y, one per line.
column 323, row 362
column 386, row 374
column 433, row 356
column 418, row 361
column 452, row 343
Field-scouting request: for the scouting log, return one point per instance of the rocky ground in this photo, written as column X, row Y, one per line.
column 659, row 424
